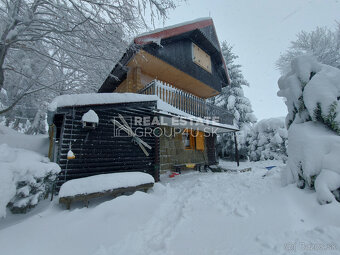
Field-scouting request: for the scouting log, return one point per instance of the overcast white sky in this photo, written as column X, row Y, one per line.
column 260, row 30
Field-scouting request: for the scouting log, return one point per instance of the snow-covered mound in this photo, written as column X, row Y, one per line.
column 23, row 177
column 268, row 140
column 104, row 182
column 37, row 143
column 312, row 92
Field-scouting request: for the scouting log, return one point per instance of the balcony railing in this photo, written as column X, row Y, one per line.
column 187, row 102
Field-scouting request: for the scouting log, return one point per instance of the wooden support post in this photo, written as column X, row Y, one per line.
column 157, row 158
column 236, row 150
column 68, row 204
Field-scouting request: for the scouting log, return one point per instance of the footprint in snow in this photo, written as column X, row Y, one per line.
column 244, row 212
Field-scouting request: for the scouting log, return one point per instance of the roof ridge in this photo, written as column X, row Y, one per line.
column 173, row 30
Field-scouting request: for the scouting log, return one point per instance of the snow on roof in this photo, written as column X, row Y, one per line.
column 173, row 30
column 90, row 116
column 174, row 26
column 98, row 98
column 114, row 98
column 104, row 182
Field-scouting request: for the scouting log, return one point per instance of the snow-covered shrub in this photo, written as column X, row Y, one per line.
column 312, row 92
column 268, row 140
column 226, row 144
column 25, row 178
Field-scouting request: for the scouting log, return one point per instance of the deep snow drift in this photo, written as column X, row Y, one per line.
column 193, row 213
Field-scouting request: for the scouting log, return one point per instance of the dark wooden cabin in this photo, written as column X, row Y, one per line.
column 176, row 69
column 97, row 150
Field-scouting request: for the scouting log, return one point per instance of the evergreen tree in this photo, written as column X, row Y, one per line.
column 233, row 100
column 268, row 140
column 322, row 43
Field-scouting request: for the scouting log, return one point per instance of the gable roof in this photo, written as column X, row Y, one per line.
column 174, row 30
column 203, row 27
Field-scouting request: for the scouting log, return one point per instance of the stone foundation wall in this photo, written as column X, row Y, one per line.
column 172, row 151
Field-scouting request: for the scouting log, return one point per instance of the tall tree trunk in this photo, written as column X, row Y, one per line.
column 3, row 52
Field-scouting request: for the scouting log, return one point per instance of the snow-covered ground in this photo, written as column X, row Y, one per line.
column 194, row 213
column 37, row 143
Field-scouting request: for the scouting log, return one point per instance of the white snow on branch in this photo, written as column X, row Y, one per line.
column 326, row 182
column 312, row 91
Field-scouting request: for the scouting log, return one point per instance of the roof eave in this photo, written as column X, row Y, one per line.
column 166, row 33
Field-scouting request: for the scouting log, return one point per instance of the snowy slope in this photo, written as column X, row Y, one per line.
column 37, row 143
column 194, row 213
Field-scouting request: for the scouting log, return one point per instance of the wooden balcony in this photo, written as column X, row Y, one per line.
column 187, row 102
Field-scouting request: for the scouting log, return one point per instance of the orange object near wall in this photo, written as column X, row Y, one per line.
column 200, row 141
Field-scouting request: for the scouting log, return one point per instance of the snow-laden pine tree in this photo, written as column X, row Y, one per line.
column 312, row 93
column 268, row 140
column 232, row 99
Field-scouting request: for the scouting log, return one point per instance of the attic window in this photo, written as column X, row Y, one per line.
column 201, row 58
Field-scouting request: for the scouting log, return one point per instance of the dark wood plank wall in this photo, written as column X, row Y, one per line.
column 99, row 151
column 179, row 54
column 210, row 142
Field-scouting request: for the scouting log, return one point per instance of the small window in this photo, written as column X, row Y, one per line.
column 201, row 58
column 188, row 140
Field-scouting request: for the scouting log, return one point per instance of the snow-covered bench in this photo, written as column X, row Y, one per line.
column 115, row 184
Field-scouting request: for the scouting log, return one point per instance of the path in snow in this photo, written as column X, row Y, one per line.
column 229, row 214
column 194, row 213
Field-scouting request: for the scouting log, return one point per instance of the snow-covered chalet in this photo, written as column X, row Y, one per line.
column 156, row 98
